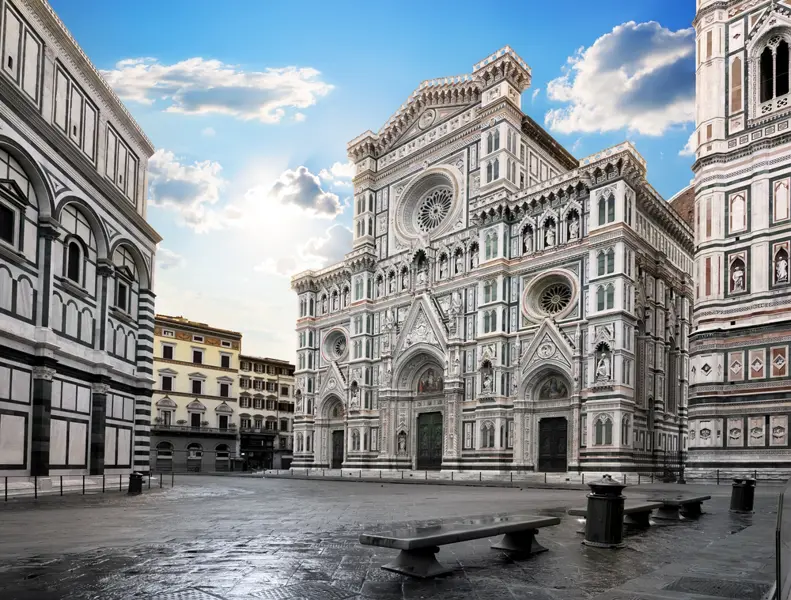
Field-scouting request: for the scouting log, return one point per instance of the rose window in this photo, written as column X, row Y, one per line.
column 433, row 209
column 339, row 346
column 555, row 298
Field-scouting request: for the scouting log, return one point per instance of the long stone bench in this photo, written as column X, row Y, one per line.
column 673, row 508
column 634, row 515
column 419, row 544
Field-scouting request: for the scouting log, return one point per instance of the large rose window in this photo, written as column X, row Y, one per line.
column 555, row 298
column 433, row 209
column 335, row 345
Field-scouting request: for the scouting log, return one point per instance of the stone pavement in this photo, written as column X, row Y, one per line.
column 234, row 538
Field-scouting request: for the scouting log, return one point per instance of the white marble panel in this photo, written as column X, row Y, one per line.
column 778, row 430
column 24, row 298
column 56, row 393
column 12, row 440
column 755, row 431
column 109, row 446
column 129, row 409
column 57, row 442
column 69, row 396
column 124, row 446
column 20, row 386
column 6, row 289
column 83, row 399
column 5, row 383
column 77, row 443
column 56, row 313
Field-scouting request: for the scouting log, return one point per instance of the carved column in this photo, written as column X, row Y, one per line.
column 41, row 414
column 98, row 419
column 48, row 232
column 104, row 269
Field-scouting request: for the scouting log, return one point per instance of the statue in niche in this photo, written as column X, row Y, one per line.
column 737, row 279
column 456, row 366
column 549, row 236
column 553, row 389
column 781, row 268
column 324, row 304
column 389, row 320
column 385, row 343
column 392, row 283
column 474, row 259
column 346, row 297
column 603, row 367
column 429, row 383
column 574, row 227
column 421, row 274
column 379, row 287
column 402, row 443
column 459, row 263
column 455, row 304
column 335, row 302
column 443, row 268
column 487, row 383
column 404, row 279
column 527, row 240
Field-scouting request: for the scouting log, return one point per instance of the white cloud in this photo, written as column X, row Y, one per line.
column 189, row 190
column 208, row 132
column 536, row 92
column 690, row 147
column 301, row 188
column 201, row 86
column 299, row 117
column 331, row 247
column 167, row 259
column 640, row 77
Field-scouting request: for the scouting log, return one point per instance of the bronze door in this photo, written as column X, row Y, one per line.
column 337, row 449
column 552, row 434
column 429, row 441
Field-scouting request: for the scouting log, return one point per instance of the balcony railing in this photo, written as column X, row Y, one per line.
column 190, row 428
column 258, row 430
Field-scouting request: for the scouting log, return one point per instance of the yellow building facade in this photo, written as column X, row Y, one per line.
column 195, row 411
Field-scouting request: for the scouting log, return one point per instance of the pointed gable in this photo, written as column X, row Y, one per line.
column 549, row 346
column 334, row 382
column 423, row 325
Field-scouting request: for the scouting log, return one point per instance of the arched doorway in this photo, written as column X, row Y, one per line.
column 335, row 418
column 429, row 383
column 553, row 430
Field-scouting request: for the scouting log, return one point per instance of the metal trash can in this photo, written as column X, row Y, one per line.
column 743, row 495
column 604, row 520
column 135, row 483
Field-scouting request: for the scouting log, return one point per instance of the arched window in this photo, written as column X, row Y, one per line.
column 781, row 69
column 601, row 263
column 610, row 260
column 736, row 85
column 610, row 299
column 223, row 452
column 164, row 451
column 488, row 288
column 489, row 172
column 355, row 439
column 487, row 435
column 602, row 211
column 359, row 228
column 496, row 141
column 486, row 322
column 194, row 451
column 625, row 431
column 600, row 298
column 610, row 208
column 490, row 144
column 496, row 173
column 602, row 430
column 74, row 261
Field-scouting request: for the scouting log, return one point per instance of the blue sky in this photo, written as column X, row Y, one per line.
column 237, row 100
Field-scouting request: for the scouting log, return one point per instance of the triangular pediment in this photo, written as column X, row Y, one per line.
column 425, row 120
column 768, row 21
column 422, row 325
column 547, row 347
column 334, row 382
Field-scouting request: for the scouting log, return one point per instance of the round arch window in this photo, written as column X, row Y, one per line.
column 429, row 205
column 335, row 345
column 555, row 298
column 433, row 209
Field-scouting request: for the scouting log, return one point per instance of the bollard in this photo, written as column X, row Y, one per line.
column 624, row 478
column 83, row 485
column 426, row 478
column 718, row 477
column 512, row 476
column 61, row 485
column 583, row 479
column 755, row 474
column 360, row 476
column 35, row 486
column 742, row 495
column 380, row 473
column 604, row 521
column 172, row 478
column 149, row 480
column 121, row 482
column 480, row 476
column 103, row 478
column 5, row 490
column 451, row 475
column 638, row 479
column 545, row 476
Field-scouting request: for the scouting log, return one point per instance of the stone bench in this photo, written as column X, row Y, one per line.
column 419, row 544
column 676, row 507
column 634, row 515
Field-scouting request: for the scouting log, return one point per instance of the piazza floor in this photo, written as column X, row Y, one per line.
column 235, row 538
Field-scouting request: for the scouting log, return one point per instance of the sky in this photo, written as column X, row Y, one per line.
column 251, row 106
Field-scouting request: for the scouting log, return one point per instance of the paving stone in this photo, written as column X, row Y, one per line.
column 719, row 588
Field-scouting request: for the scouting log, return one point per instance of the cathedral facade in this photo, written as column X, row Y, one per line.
column 739, row 373
column 504, row 306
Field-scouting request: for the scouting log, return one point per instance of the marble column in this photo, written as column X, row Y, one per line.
column 98, row 419
column 41, row 415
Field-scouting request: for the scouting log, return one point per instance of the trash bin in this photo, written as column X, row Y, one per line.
column 135, row 483
column 604, row 520
column 742, row 495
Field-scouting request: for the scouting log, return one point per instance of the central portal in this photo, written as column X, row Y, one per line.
column 429, row 441
column 552, row 435
column 337, row 449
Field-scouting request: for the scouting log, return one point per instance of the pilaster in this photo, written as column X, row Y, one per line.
column 98, row 420
column 41, row 416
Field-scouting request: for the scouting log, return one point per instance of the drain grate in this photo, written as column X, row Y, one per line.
column 719, row 588
column 304, row 590
column 190, row 594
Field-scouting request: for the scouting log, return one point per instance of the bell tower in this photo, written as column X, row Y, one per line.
column 741, row 331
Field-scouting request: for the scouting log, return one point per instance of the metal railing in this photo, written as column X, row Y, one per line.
column 34, row 486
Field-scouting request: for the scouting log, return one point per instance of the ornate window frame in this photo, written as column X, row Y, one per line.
column 757, row 109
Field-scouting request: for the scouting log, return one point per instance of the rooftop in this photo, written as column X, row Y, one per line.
column 184, row 322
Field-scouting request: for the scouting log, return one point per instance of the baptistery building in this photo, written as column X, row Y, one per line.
column 504, row 306
column 76, row 259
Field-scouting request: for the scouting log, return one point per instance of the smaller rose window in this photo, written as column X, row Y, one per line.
column 555, row 298
column 339, row 346
column 433, row 209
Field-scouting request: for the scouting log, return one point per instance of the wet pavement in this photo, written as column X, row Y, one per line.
column 233, row 538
